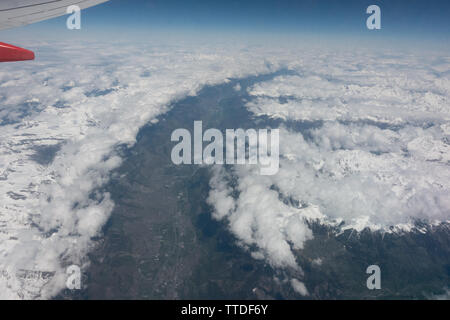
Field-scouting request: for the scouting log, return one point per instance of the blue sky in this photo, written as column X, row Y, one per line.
column 411, row 19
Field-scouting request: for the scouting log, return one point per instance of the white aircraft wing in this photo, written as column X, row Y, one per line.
column 15, row 13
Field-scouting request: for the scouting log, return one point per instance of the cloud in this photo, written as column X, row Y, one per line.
column 262, row 223
column 378, row 158
column 299, row 287
column 84, row 99
column 404, row 89
column 377, row 155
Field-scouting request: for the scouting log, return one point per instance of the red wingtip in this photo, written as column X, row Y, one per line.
column 9, row 52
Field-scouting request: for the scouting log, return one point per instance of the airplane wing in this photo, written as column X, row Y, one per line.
column 15, row 13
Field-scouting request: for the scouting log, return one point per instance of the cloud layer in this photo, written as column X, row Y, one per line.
column 61, row 118
column 364, row 141
column 378, row 156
